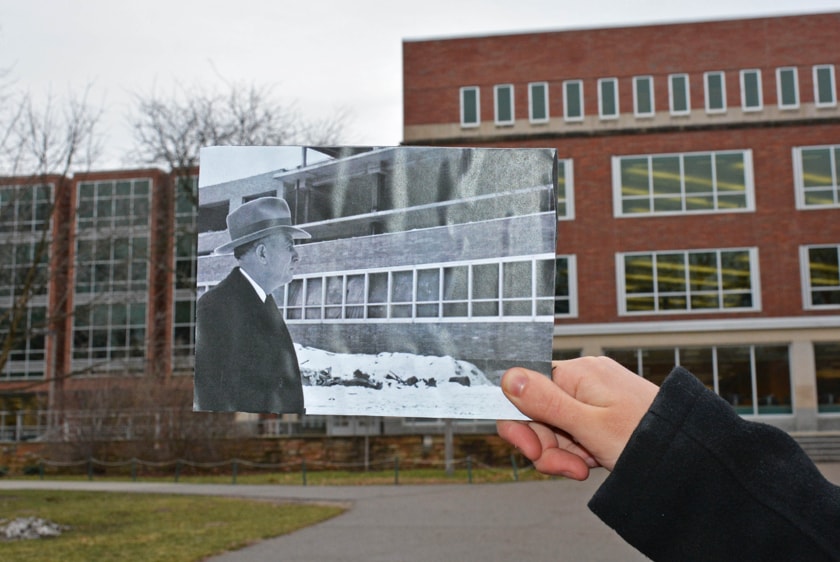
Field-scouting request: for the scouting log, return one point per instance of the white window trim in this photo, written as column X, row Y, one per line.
column 748, row 180
column 798, row 179
column 833, row 102
column 535, row 300
column 477, row 91
column 795, row 104
column 755, row 283
column 706, row 77
column 687, row 110
column 531, row 118
column 603, row 116
column 571, row 260
column 569, row 166
column 805, row 271
column 496, row 90
column 579, row 85
column 636, row 112
column 760, row 92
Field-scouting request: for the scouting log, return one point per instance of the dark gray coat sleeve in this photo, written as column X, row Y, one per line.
column 698, row 482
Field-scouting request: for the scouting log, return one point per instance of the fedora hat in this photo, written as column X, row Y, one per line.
column 256, row 219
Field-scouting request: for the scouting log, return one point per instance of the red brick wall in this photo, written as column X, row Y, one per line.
column 433, row 71
column 776, row 228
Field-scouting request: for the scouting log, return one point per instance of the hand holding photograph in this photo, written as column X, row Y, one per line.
column 381, row 281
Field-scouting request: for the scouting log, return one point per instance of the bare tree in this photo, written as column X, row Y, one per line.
column 41, row 145
column 171, row 130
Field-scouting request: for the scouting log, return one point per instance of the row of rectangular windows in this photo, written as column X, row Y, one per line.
column 510, row 289
column 754, row 379
column 710, row 280
column 644, row 104
column 704, row 182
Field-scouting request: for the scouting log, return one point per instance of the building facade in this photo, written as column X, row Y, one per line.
column 699, row 201
column 97, row 292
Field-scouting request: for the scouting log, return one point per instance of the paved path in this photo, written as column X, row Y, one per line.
column 532, row 521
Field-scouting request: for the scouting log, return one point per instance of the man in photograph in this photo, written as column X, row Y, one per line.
column 244, row 357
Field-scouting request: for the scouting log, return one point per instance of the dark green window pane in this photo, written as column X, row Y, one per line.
column 504, row 104
column 788, row 87
column 716, row 97
column 825, row 86
column 730, row 171
column 824, row 267
column 573, row 100
column 703, row 271
column 735, row 270
column 644, row 96
column 666, row 175
column 679, row 94
column 635, row 177
column 539, row 105
column 670, row 273
column 609, row 98
column 640, row 304
column 469, row 106
column 816, row 167
column 638, row 274
column 751, row 82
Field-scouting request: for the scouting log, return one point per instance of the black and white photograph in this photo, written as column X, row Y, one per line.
column 372, row 281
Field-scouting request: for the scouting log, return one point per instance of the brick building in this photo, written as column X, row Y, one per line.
column 699, row 201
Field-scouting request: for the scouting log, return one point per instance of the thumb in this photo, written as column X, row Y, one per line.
column 539, row 398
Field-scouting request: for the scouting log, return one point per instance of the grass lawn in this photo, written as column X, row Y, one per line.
column 143, row 527
column 323, row 477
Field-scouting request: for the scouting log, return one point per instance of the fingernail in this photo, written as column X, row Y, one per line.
column 513, row 383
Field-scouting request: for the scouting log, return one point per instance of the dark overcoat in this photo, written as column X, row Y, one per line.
column 244, row 357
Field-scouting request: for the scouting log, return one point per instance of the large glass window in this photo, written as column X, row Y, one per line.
column 608, row 98
column 827, row 364
column 503, row 97
column 787, row 87
column 688, row 281
column 538, row 102
column 825, row 92
column 573, row 100
column 751, row 96
column 754, row 379
column 25, row 208
column 715, row 85
column 511, row 288
column 106, row 332
column 643, row 105
column 683, row 183
column 679, row 97
column 821, row 276
column 114, row 204
column 816, row 176
column 470, row 106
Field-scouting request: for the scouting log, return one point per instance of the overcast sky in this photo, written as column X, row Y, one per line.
column 319, row 55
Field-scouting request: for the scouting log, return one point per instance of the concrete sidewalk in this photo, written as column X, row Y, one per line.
column 532, row 521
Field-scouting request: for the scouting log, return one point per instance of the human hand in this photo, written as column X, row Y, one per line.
column 582, row 418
